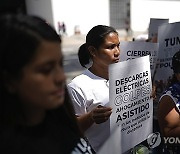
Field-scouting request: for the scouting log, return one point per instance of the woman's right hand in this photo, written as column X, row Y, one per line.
column 101, row 114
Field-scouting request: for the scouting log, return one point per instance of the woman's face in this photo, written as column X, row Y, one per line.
column 108, row 52
column 43, row 80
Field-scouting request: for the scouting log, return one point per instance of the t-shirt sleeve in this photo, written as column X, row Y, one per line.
column 78, row 100
column 175, row 100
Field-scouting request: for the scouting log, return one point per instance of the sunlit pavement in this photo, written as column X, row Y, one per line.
column 70, row 45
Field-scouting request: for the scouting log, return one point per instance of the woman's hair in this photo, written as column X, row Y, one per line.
column 176, row 62
column 95, row 38
column 21, row 35
column 175, row 67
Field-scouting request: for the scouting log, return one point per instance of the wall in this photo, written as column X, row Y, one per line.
column 87, row 13
column 82, row 13
column 41, row 8
column 143, row 10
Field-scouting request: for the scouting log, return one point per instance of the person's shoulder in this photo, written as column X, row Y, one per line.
column 83, row 82
column 166, row 104
column 166, row 98
column 82, row 78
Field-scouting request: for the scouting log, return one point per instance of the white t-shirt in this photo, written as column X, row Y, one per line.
column 88, row 91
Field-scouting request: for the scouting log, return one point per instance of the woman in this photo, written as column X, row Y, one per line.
column 36, row 114
column 90, row 91
column 169, row 104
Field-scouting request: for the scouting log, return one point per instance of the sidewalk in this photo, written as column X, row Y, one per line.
column 70, row 45
column 73, row 40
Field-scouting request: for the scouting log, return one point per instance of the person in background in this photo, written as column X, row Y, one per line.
column 36, row 113
column 64, row 28
column 90, row 90
column 169, row 106
column 59, row 28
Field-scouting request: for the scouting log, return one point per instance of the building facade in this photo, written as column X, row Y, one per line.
column 82, row 15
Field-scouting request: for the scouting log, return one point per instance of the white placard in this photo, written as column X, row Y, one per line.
column 130, row 89
column 169, row 44
column 135, row 49
column 112, row 144
column 153, row 26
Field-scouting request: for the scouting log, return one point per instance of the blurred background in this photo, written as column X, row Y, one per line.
column 78, row 16
column 72, row 19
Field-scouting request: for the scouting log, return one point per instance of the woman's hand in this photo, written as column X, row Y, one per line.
column 101, row 114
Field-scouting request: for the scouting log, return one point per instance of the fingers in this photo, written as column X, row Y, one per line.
column 100, row 119
column 101, row 114
column 102, row 109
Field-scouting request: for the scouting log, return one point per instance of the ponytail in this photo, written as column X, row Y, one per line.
column 95, row 37
column 84, row 55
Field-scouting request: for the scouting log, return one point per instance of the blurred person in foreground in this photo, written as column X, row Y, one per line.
column 90, row 90
column 36, row 114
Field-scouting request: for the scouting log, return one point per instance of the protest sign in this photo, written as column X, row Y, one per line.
column 135, row 49
column 112, row 144
column 169, row 44
column 130, row 89
column 153, row 26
